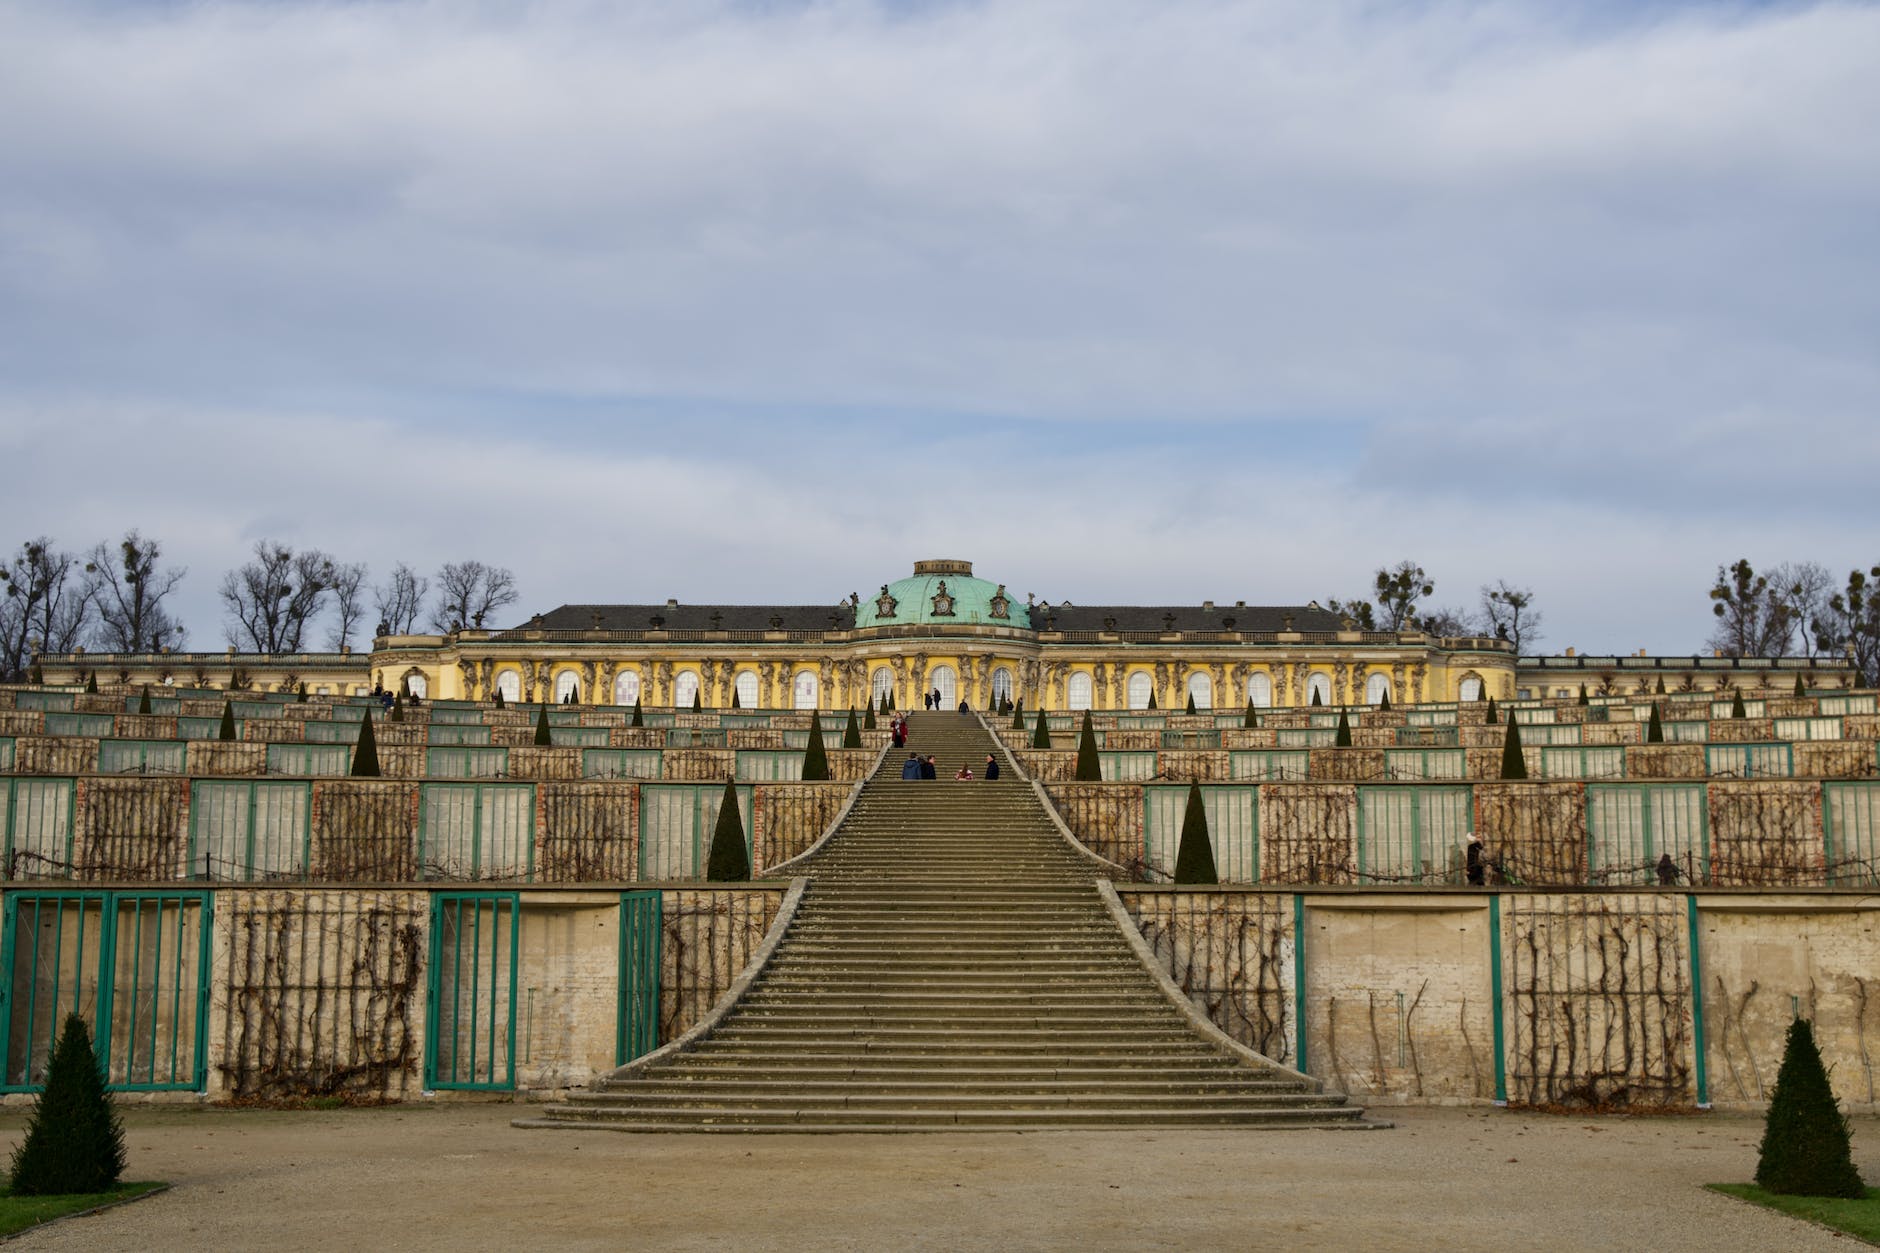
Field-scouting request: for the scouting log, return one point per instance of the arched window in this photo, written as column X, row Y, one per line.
column 567, row 684
column 1321, row 685
column 1376, row 688
column 942, row 680
column 685, row 689
column 1079, row 691
column 1001, row 686
column 1201, row 688
column 322, row 690
column 880, row 684
column 1471, row 688
column 1259, row 690
column 626, row 687
column 415, row 684
column 805, row 689
column 1139, row 690
column 746, row 688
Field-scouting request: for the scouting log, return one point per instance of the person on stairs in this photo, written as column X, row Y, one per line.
column 992, row 768
column 928, row 769
column 966, row 771
column 910, row 769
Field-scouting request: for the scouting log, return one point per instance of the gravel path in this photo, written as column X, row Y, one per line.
column 459, row 1177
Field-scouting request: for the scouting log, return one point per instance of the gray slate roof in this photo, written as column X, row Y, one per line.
column 686, row 617
column 1186, row 617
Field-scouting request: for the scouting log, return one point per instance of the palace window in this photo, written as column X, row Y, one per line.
column 1201, row 690
column 880, row 684
column 1140, row 688
column 746, row 688
column 1471, row 689
column 943, row 681
column 1001, row 686
column 626, row 687
column 805, row 689
column 1080, row 691
column 1259, row 690
column 1320, row 685
column 567, row 683
column 685, row 689
column 415, row 684
column 1376, row 688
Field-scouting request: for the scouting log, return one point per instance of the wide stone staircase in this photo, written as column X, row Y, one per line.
column 950, row 967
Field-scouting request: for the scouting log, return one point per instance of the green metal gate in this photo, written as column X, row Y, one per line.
column 134, row 965
column 641, row 919
column 470, row 1018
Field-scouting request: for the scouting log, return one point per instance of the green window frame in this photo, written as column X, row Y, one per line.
column 470, row 1010
column 1629, row 826
column 1233, row 812
column 1749, row 761
column 143, row 756
column 1408, row 833
column 243, row 831
column 475, row 762
column 41, row 819
column 476, row 831
column 620, row 763
column 676, row 821
column 1850, row 821
column 310, row 761
column 642, row 937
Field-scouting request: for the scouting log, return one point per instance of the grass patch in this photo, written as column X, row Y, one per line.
column 19, row 1213
column 1858, row 1218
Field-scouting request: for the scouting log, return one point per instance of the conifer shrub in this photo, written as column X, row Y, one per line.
column 852, row 733
column 1250, row 719
column 543, row 738
column 1513, row 762
column 91, row 683
column 398, row 708
column 1655, row 727
column 1315, row 697
column 815, row 756
column 365, row 762
column 1041, row 734
column 227, row 730
column 1661, row 686
column 729, row 860
column 74, row 1142
column 1194, row 855
column 1800, row 690
column 638, row 721
column 1805, row 1146
column 1492, row 715
column 1385, row 703
column 1583, row 697
column 143, row 702
column 499, row 698
column 734, row 697
column 1191, row 703
column 889, row 702
column 1018, row 716
column 300, row 694
column 1089, row 765
column 1151, row 704
column 1342, row 737
column 698, row 704
column 868, row 719
column 1737, row 708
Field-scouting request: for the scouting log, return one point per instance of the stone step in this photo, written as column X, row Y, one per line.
column 1093, row 1114
column 708, row 1096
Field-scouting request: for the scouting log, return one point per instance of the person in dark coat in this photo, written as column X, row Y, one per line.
column 992, row 768
column 1667, row 872
column 1475, row 863
column 910, row 769
column 928, row 770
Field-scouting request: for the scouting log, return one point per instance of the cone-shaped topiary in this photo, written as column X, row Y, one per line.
column 1194, row 856
column 300, row 697
column 398, row 708
column 729, row 860
column 852, row 733
column 91, row 683
column 1041, row 734
column 1583, row 697
column 227, row 730
column 365, row 763
column 543, row 738
column 1805, row 1148
column 1018, row 716
column 1513, row 761
column 1661, row 685
column 698, row 705
column 1342, row 737
column 815, row 756
column 1315, row 697
column 1191, row 702
column 1089, row 765
column 734, row 697
column 499, row 698
column 1249, row 719
column 1492, row 715
column 1800, row 690
column 143, row 702
column 1151, row 704
column 1385, row 703
column 74, row 1142
column 638, row 720
column 1655, row 728
column 1737, row 708
column 868, row 719
column 888, row 703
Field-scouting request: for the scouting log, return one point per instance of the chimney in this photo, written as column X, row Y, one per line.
column 1570, row 652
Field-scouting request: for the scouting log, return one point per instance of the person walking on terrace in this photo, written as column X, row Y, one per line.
column 1475, row 862
column 928, row 770
column 910, row 769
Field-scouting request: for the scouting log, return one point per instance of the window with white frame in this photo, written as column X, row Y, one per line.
column 567, row 683
column 1320, row 686
column 1201, row 691
column 626, row 686
column 1001, row 686
column 1376, row 688
column 416, row 686
column 1079, row 691
column 1140, row 689
column 805, row 689
column 1259, row 690
column 945, row 682
column 880, row 684
column 685, row 689
column 1471, row 689
column 746, row 688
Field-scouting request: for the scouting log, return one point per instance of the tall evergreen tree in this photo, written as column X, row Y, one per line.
column 639, row 719
column 815, row 754
column 1342, row 737
column 1151, row 704
column 852, row 733
column 1655, row 728
column 543, row 736
column 1513, row 762
column 1249, row 719
column 1018, row 716
column 365, row 762
column 1315, row 697
column 1806, row 1149
column 1583, row 697
column 1191, row 703
column 1661, row 685
column 227, row 730
column 398, row 708
column 1737, row 708
column 143, row 702
column 734, row 696
column 868, row 719
column 91, row 683
column 74, row 1142
column 1491, row 711
column 1800, row 689
column 499, row 698
column 1041, row 734
column 729, row 860
column 1194, row 855
column 300, row 694
column 1385, row 703
column 698, row 705
column 1089, row 765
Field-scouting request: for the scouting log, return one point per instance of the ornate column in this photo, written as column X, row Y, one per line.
column 587, row 682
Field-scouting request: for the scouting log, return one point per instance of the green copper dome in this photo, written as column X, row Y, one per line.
column 943, row 593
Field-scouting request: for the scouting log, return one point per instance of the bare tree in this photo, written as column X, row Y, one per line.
column 1852, row 624
column 271, row 599
column 1751, row 622
column 1801, row 590
column 1508, row 611
column 348, row 605
column 47, row 607
column 1398, row 591
column 1362, row 613
column 1446, row 622
column 131, row 589
column 400, row 600
column 469, row 592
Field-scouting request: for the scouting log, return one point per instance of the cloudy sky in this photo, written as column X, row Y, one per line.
column 1124, row 300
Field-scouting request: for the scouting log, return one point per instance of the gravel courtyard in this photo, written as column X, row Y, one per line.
column 458, row 1176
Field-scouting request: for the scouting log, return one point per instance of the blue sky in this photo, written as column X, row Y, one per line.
column 1122, row 300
